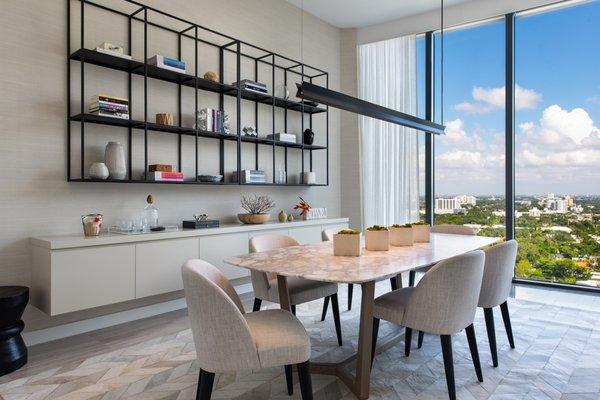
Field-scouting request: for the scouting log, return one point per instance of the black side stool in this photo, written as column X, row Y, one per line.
column 13, row 353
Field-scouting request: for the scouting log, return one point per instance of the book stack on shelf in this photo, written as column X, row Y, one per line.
column 109, row 106
column 252, row 86
column 212, row 120
column 282, row 137
column 164, row 62
column 164, row 173
column 251, row 176
column 112, row 50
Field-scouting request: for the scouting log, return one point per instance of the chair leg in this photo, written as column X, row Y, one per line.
column 393, row 283
column 407, row 340
column 448, row 365
column 325, row 306
column 336, row 317
column 507, row 325
column 470, row 330
column 374, row 342
column 289, row 380
column 491, row 332
column 293, row 309
column 350, row 290
column 305, row 380
column 420, row 342
column 411, row 278
column 257, row 303
column 205, row 385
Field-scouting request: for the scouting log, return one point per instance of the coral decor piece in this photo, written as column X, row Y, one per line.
column 304, row 206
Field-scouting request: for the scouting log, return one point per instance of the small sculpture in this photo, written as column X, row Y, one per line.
column 309, row 136
column 200, row 217
column 282, row 216
column 211, row 76
column 290, row 218
column 249, row 130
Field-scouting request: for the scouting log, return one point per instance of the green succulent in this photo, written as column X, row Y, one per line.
column 420, row 223
column 377, row 228
column 402, row 226
column 348, row 232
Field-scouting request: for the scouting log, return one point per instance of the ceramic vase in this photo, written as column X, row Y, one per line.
column 98, row 170
column 309, row 136
column 422, row 233
column 402, row 236
column 377, row 240
column 114, row 158
column 346, row 245
column 282, row 216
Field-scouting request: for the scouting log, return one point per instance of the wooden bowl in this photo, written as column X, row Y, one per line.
column 254, row 218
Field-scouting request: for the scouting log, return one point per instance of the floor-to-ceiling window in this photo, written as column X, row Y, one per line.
column 557, row 69
column 469, row 158
column 421, row 105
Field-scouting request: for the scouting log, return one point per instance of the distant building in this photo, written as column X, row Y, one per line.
column 447, row 206
column 535, row 212
column 570, row 201
column 466, row 200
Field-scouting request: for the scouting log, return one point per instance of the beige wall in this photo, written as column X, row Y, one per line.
column 35, row 198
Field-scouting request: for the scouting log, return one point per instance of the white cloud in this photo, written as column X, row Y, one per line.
column 490, row 99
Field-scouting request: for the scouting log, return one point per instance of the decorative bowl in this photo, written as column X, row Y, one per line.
column 210, row 178
column 254, row 218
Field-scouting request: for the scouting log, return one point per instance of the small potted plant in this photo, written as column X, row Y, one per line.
column 258, row 207
column 304, row 207
column 401, row 235
column 346, row 243
column 377, row 238
column 421, row 231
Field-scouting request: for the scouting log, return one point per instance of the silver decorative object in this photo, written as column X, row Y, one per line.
column 250, row 130
column 200, row 217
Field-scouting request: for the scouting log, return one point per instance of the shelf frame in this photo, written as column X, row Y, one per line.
column 141, row 14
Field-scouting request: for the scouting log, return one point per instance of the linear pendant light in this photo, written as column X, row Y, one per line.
column 319, row 94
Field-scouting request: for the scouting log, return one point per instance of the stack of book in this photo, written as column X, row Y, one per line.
column 162, row 176
column 251, row 176
column 282, row 137
column 112, row 50
column 164, row 62
column 109, row 106
column 252, row 86
column 211, row 120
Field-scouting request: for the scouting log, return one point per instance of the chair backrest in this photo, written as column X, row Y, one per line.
column 327, row 234
column 221, row 334
column 498, row 273
column 445, row 300
column 453, row 229
column 259, row 243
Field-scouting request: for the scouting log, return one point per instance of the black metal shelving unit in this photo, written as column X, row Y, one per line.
column 139, row 13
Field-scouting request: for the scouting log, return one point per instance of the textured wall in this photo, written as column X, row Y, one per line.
column 35, row 198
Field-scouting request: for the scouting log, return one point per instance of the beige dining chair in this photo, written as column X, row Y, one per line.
column 327, row 236
column 227, row 339
column 300, row 290
column 497, row 280
column 443, row 303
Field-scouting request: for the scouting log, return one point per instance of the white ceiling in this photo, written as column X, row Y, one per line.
column 361, row 13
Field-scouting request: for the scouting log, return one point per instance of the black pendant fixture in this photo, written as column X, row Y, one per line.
column 328, row 97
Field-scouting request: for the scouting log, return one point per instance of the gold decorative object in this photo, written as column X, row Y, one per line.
column 211, row 76
column 164, row 119
column 282, row 216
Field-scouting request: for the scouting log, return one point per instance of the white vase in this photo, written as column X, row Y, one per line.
column 114, row 157
column 98, row 170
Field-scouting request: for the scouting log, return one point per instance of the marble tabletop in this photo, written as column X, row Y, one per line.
column 317, row 262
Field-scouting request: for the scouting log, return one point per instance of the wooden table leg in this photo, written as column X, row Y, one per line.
column 365, row 334
column 284, row 295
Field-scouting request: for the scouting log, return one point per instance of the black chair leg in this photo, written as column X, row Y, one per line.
column 420, row 341
column 336, row 317
column 470, row 330
column 293, row 309
column 407, row 341
column 257, row 303
column 325, row 306
column 411, row 278
column 448, row 365
column 507, row 325
column 350, row 290
column 289, row 380
column 305, row 380
column 393, row 283
column 205, row 385
column 374, row 342
column 491, row 332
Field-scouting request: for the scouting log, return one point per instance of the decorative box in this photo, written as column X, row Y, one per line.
column 421, row 233
column 207, row 223
column 377, row 240
column 402, row 236
column 346, row 245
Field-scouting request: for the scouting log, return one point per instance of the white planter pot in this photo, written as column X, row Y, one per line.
column 114, row 157
column 421, row 233
column 346, row 245
column 377, row 240
column 98, row 170
column 401, row 236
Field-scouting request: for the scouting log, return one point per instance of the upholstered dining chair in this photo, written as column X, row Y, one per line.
column 300, row 290
column 227, row 339
column 443, row 303
column 327, row 236
column 497, row 280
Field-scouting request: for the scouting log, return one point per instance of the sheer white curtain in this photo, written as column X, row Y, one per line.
column 389, row 152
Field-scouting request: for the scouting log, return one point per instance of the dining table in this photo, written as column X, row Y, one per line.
column 317, row 262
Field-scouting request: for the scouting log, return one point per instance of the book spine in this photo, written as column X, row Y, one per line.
column 166, row 175
column 172, row 62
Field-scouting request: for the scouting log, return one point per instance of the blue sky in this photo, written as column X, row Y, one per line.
column 558, row 105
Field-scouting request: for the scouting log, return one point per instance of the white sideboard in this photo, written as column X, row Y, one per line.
column 73, row 273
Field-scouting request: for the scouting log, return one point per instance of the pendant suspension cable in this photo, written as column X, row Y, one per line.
column 302, row 35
